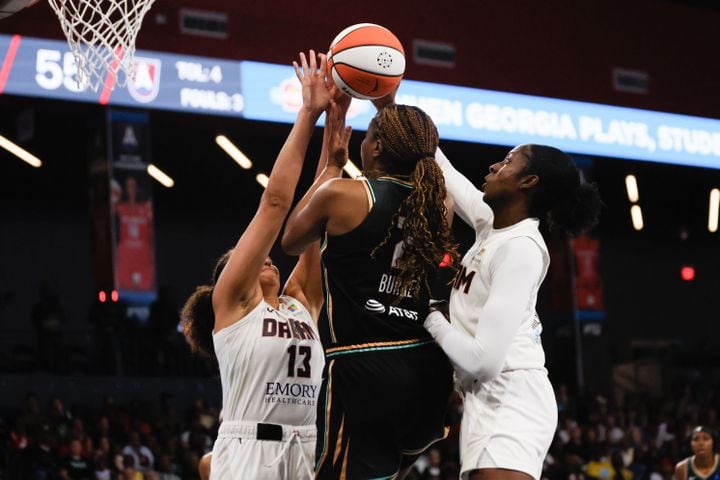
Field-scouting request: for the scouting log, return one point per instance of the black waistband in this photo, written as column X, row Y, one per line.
column 269, row 431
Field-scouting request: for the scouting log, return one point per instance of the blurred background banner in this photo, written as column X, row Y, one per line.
column 588, row 283
column 132, row 208
column 483, row 116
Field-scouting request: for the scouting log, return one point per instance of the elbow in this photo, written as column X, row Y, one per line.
column 280, row 201
column 288, row 243
column 291, row 243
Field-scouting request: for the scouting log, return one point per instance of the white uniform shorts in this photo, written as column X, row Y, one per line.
column 242, row 451
column 508, row 422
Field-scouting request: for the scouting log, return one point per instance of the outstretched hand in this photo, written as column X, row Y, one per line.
column 338, row 133
column 316, row 89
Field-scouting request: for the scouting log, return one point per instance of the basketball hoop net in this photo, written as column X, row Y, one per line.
column 101, row 35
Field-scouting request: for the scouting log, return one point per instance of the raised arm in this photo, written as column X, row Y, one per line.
column 305, row 282
column 237, row 287
column 469, row 203
column 516, row 270
column 310, row 216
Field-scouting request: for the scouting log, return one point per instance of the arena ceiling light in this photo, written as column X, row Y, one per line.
column 234, row 152
column 632, row 188
column 637, row 218
column 262, row 179
column 714, row 210
column 20, row 152
column 162, row 177
column 352, row 169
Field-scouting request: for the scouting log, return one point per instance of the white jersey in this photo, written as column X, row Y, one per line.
column 492, row 248
column 472, row 285
column 271, row 365
column 510, row 414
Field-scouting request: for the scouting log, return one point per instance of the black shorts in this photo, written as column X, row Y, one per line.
column 379, row 410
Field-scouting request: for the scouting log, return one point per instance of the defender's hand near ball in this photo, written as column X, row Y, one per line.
column 312, row 73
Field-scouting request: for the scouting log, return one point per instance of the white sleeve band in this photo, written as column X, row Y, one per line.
column 516, row 269
column 469, row 203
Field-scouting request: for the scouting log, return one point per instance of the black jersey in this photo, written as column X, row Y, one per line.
column 692, row 474
column 361, row 308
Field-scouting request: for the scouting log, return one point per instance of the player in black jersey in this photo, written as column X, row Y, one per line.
column 704, row 463
column 386, row 385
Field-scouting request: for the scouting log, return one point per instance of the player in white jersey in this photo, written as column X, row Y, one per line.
column 267, row 345
column 493, row 340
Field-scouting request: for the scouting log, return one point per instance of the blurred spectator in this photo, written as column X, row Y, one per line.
column 166, row 469
column 38, row 459
column 620, row 472
column 18, row 437
column 76, row 466
column 599, row 466
column 101, row 469
column 196, row 438
column 613, row 433
column 143, row 458
column 58, row 418
column 128, row 471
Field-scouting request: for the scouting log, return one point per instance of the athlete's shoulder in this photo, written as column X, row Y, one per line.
column 342, row 198
column 339, row 186
column 681, row 469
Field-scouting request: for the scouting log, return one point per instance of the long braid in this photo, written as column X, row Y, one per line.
column 409, row 138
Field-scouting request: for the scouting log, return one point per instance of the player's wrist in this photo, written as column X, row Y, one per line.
column 311, row 111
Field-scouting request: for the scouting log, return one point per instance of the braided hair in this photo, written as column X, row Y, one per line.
column 409, row 139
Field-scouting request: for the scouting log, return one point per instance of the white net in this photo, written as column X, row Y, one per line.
column 101, row 35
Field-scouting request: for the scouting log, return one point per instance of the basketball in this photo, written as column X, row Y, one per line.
column 366, row 61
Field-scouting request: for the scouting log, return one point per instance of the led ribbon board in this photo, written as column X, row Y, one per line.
column 500, row 118
column 46, row 68
column 268, row 92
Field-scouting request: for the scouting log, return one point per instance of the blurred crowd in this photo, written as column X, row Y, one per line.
column 139, row 441
column 635, row 438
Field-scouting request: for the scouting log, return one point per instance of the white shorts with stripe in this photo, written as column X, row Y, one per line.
column 239, row 454
column 508, row 422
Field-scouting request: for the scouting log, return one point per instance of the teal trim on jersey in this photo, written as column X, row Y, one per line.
column 323, row 244
column 396, row 182
column 328, row 303
column 370, row 187
column 692, row 472
column 374, row 349
column 324, row 450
